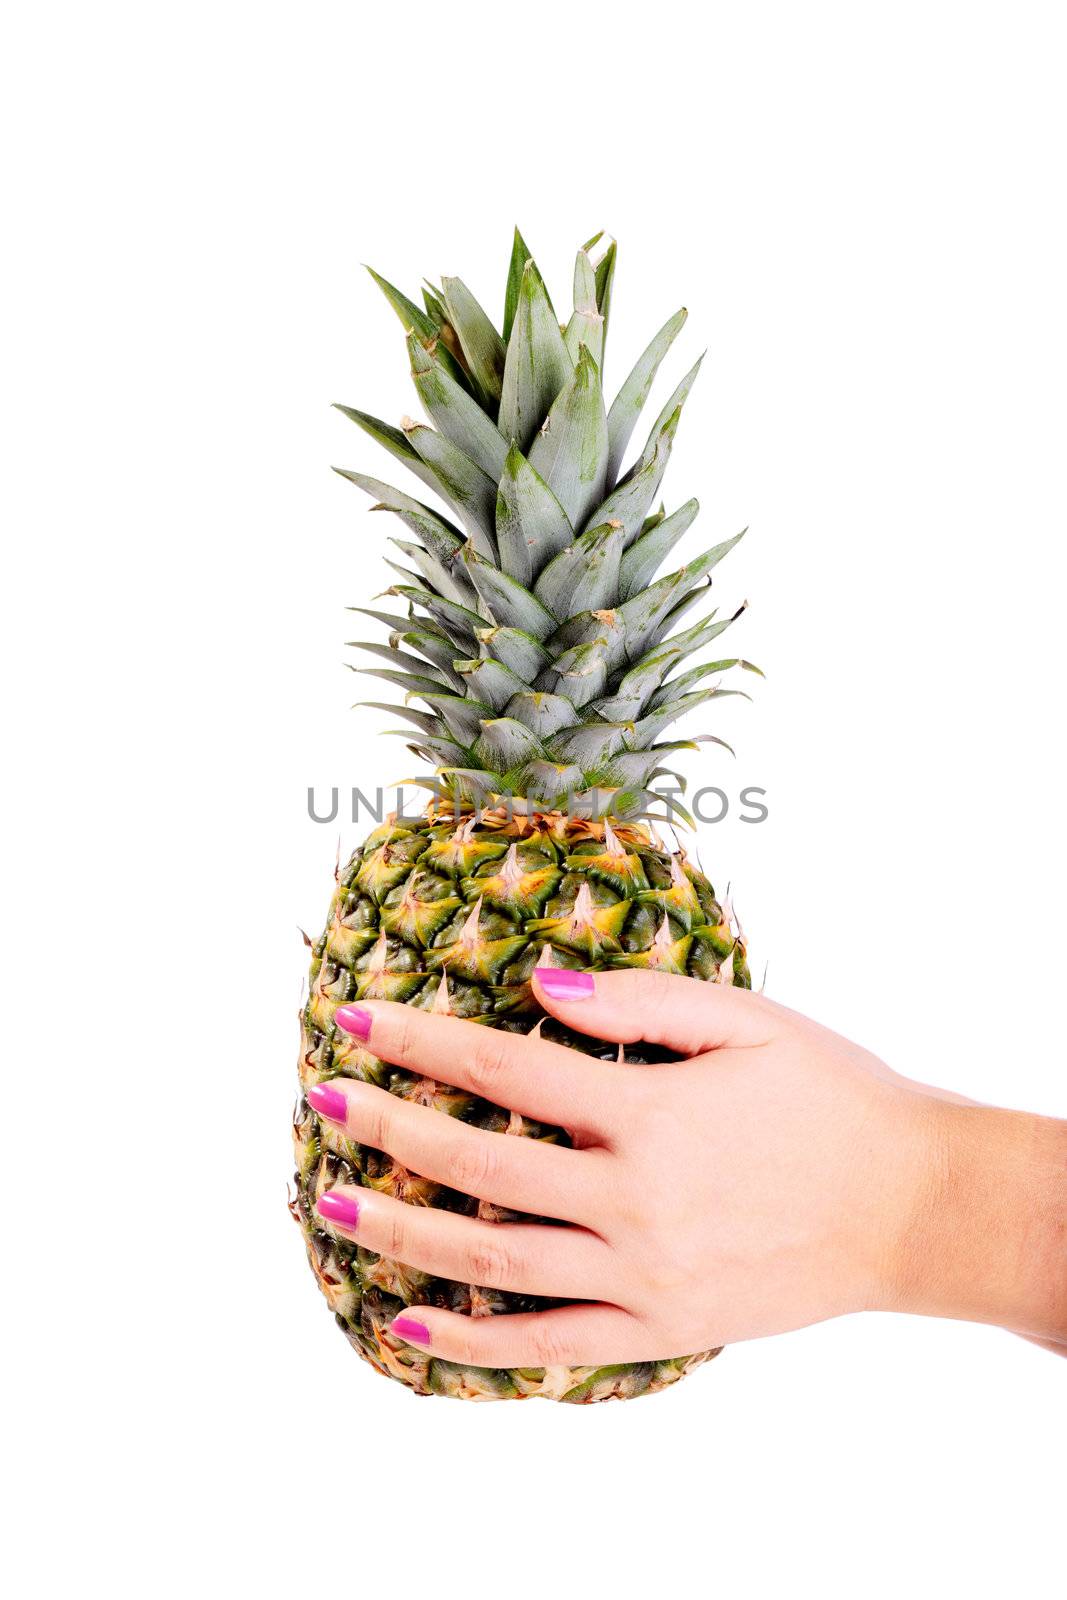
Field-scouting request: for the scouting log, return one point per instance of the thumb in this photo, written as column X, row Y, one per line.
column 684, row 1014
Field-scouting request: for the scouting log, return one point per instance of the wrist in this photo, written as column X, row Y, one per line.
column 984, row 1238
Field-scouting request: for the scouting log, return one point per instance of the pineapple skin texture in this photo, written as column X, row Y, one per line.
column 453, row 916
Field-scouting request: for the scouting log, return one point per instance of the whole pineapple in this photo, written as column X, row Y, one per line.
column 542, row 652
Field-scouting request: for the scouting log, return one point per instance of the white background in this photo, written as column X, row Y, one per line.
column 862, row 206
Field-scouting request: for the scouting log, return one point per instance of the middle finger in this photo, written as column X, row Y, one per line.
column 519, row 1173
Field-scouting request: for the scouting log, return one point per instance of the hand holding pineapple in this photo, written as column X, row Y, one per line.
column 773, row 1176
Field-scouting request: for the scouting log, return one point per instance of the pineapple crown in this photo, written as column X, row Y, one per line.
column 538, row 642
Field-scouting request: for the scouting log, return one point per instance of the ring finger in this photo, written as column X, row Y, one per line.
column 527, row 1258
column 522, row 1174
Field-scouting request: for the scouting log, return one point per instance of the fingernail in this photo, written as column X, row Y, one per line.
column 561, row 983
column 328, row 1102
column 353, row 1019
column 407, row 1328
column 338, row 1208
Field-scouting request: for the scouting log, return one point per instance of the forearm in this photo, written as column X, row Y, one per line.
column 987, row 1241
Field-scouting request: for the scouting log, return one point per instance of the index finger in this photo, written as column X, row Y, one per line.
column 544, row 1080
column 659, row 1007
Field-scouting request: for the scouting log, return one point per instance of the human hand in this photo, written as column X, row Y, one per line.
column 775, row 1176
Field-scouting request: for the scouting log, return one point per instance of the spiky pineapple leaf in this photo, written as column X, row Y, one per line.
column 393, row 440
column 544, row 714
column 422, row 326
column 463, row 718
column 461, row 482
column 531, row 525
column 630, row 400
column 445, row 676
column 489, row 681
column 410, row 682
column 536, row 366
column 520, row 254
column 585, row 576
column 549, row 783
column 581, row 672
column 483, row 348
column 388, row 497
column 504, row 743
column 586, row 325
column 386, row 617
column 449, row 578
column 605, row 280
column 517, row 650
column 429, row 724
column 651, row 726
column 675, row 403
column 457, row 415
column 434, row 646
column 458, row 622
column 641, row 562
column 571, row 450
column 629, row 502
column 508, row 603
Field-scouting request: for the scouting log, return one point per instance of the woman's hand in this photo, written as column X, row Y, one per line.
column 777, row 1176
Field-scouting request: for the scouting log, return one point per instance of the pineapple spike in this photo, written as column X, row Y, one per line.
column 442, row 1005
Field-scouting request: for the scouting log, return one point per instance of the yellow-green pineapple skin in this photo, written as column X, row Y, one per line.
column 454, row 918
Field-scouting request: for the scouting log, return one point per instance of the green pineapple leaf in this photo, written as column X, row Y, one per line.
column 504, row 743
column 458, row 622
column 536, row 366
column 508, row 603
column 544, row 714
column 520, row 254
column 585, row 576
column 531, row 525
column 483, row 348
column 605, row 280
column 571, row 450
column 488, row 680
column 459, row 417
column 392, row 439
column 517, row 650
column 470, row 491
column 641, row 562
column 586, row 325
column 630, row 400
column 448, row 578
column 422, row 326
column 463, row 718
column 629, row 502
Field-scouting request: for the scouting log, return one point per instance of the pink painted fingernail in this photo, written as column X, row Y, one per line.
column 561, row 983
column 328, row 1102
column 353, row 1019
column 338, row 1208
column 410, row 1330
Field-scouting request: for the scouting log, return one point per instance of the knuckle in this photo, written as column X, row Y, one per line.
column 403, row 1045
column 550, row 1347
column 379, row 1122
column 491, row 1264
column 394, row 1238
column 472, row 1167
column 487, row 1064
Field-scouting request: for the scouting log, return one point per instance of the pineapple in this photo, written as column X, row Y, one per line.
column 541, row 650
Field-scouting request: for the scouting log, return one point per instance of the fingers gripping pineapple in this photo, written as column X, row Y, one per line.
column 541, row 664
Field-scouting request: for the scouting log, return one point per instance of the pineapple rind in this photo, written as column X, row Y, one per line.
column 651, row 919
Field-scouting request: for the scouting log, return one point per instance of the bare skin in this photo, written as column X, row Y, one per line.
column 776, row 1176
